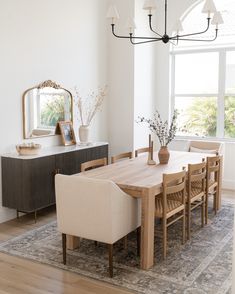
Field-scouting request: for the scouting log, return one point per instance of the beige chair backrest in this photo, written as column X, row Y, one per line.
column 217, row 147
column 94, row 209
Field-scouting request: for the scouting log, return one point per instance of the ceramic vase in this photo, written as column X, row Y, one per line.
column 84, row 133
column 163, row 155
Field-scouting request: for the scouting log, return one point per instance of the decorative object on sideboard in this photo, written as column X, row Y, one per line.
column 67, row 133
column 164, row 132
column 28, row 149
column 87, row 110
column 150, row 155
column 150, row 5
column 43, row 106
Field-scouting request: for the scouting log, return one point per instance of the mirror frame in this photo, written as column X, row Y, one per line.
column 45, row 84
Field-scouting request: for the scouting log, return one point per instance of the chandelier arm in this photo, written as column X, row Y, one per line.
column 194, row 34
column 133, row 37
column 143, row 42
column 201, row 40
column 151, row 28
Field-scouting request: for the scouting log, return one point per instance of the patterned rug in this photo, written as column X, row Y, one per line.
column 201, row 266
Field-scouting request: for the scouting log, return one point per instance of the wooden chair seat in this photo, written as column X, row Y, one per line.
column 173, row 207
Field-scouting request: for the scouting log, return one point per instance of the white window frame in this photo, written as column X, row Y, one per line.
column 222, row 51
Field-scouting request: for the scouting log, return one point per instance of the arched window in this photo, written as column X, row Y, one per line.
column 203, row 77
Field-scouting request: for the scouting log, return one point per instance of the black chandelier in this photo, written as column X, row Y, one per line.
column 150, row 5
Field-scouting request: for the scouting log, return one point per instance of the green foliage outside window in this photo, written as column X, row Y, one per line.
column 53, row 112
column 200, row 118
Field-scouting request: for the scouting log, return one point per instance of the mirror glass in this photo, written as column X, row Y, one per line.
column 43, row 107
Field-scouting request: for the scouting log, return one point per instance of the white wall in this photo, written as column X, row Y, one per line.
column 121, row 83
column 144, row 96
column 131, row 81
column 62, row 40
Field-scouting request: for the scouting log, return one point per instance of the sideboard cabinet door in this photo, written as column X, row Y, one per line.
column 41, row 187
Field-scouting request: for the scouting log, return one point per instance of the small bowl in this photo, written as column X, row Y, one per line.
column 28, row 149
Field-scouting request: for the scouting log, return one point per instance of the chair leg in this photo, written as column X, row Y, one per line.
column 64, row 247
column 125, row 242
column 216, row 201
column 189, row 220
column 206, row 209
column 110, row 247
column 164, row 224
column 183, row 227
column 203, row 211
column 138, row 236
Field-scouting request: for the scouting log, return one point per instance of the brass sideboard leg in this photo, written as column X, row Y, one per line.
column 17, row 214
column 35, row 216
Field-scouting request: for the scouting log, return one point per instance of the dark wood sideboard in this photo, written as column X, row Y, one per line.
column 28, row 181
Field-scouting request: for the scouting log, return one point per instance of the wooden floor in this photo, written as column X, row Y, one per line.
column 22, row 276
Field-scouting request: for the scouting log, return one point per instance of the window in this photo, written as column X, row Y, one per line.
column 203, row 80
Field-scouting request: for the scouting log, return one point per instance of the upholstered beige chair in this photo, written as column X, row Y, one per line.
column 94, row 209
column 206, row 147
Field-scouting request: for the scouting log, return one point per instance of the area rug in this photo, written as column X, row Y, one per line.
column 201, row 266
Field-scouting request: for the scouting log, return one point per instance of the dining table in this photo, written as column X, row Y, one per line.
column 138, row 179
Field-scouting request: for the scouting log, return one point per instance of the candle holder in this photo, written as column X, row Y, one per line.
column 150, row 155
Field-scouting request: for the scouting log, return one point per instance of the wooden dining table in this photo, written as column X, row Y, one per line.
column 138, row 179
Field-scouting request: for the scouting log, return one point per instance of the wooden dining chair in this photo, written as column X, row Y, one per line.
column 127, row 155
column 93, row 164
column 168, row 209
column 196, row 192
column 212, row 182
column 141, row 150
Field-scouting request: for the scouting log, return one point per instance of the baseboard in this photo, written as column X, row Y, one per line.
column 228, row 185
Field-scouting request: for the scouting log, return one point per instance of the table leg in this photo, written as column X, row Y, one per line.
column 147, row 229
column 72, row 242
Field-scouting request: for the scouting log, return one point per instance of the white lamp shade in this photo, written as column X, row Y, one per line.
column 209, row 7
column 217, row 19
column 178, row 26
column 112, row 12
column 130, row 24
column 149, row 5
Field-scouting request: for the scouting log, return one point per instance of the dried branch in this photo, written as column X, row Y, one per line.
column 164, row 133
column 91, row 106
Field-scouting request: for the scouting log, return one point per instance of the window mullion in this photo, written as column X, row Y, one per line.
column 221, row 95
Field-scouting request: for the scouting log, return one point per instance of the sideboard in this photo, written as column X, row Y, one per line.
column 28, row 181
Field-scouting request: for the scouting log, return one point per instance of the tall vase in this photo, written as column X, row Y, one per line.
column 163, row 155
column 84, row 133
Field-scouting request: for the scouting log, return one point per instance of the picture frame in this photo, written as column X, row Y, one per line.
column 67, row 133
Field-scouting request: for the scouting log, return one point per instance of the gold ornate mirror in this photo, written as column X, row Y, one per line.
column 44, row 106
